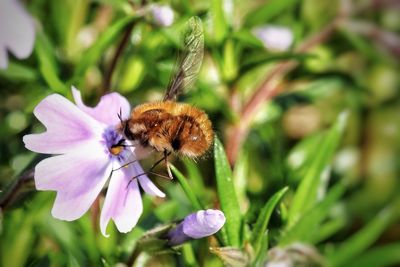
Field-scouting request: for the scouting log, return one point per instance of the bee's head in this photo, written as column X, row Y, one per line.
column 136, row 131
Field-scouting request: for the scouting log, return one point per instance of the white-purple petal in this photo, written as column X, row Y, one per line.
column 274, row 38
column 196, row 225
column 163, row 15
column 203, row 223
column 123, row 202
column 108, row 109
column 148, row 186
column 17, row 31
column 68, row 128
column 78, row 178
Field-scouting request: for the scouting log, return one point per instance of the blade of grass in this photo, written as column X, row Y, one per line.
column 188, row 255
column 187, row 189
column 227, row 195
column 305, row 228
column 307, row 193
column 196, row 180
column 386, row 255
column 269, row 10
column 94, row 53
column 47, row 64
column 19, row 72
column 262, row 222
column 353, row 247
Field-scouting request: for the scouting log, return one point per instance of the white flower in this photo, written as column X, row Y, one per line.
column 162, row 15
column 275, row 38
column 17, row 31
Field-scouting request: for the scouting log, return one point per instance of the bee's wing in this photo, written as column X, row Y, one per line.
column 189, row 62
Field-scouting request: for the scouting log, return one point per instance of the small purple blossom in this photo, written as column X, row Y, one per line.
column 17, row 31
column 274, row 38
column 162, row 15
column 197, row 225
column 82, row 139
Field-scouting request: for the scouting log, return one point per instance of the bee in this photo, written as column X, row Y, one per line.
column 168, row 126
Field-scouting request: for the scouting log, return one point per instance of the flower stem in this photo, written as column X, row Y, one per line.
column 8, row 196
column 106, row 87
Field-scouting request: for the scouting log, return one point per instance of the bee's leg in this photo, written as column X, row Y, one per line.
column 145, row 173
column 150, row 171
column 123, row 166
column 166, row 154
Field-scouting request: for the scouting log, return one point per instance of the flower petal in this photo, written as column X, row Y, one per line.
column 107, row 110
column 17, row 29
column 68, row 128
column 148, row 186
column 123, row 202
column 78, row 178
column 3, row 57
column 203, row 223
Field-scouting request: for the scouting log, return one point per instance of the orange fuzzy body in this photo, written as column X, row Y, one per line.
column 172, row 127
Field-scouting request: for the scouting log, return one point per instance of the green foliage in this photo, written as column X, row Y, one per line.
column 227, row 195
column 306, row 194
column 308, row 160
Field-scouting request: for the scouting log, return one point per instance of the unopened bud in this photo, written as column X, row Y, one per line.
column 197, row 225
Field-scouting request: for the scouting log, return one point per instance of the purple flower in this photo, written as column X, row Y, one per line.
column 274, row 38
column 84, row 139
column 17, row 31
column 162, row 15
column 197, row 225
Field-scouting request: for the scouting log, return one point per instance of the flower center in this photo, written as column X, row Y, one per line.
column 115, row 144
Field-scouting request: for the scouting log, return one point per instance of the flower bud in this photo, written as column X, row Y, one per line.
column 197, row 225
column 275, row 38
column 162, row 15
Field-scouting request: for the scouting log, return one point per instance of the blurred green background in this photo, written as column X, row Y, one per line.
column 312, row 131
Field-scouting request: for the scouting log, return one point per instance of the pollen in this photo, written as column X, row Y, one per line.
column 116, row 149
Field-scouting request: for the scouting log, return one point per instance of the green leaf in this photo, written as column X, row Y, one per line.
column 187, row 189
column 227, row 195
column 196, row 180
column 305, row 228
column 188, row 256
column 386, row 255
column 364, row 238
column 269, row 10
column 262, row 222
column 220, row 27
column 47, row 64
column 96, row 51
column 306, row 194
column 19, row 72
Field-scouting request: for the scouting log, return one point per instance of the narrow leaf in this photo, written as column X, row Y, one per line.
column 269, row 10
column 306, row 194
column 305, row 228
column 19, row 72
column 263, row 219
column 364, row 238
column 386, row 255
column 47, row 64
column 95, row 52
column 187, row 189
column 227, row 195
